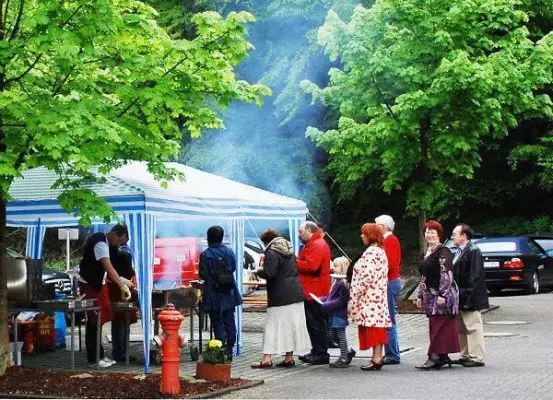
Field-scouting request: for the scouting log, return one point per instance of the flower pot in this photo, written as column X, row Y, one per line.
column 213, row 372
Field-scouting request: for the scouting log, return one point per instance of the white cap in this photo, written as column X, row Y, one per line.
column 385, row 220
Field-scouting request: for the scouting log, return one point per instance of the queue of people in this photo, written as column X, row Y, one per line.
column 365, row 291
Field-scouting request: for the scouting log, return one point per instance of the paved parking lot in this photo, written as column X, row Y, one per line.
column 519, row 362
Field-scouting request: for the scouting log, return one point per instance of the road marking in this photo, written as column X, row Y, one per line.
column 499, row 334
column 506, row 323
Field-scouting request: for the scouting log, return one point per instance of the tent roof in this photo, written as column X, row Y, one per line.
column 132, row 188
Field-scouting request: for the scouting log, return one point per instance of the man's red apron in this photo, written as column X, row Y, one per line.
column 103, row 301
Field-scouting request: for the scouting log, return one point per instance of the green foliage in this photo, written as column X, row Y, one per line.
column 423, row 86
column 513, row 226
column 98, row 82
column 540, row 154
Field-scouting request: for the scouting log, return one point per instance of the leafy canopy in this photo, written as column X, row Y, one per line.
column 88, row 83
column 422, row 86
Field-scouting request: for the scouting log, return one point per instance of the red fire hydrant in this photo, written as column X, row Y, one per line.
column 171, row 344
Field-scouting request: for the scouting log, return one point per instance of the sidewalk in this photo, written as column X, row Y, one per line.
column 412, row 326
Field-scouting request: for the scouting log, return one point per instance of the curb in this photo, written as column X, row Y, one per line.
column 216, row 393
column 490, row 308
column 219, row 393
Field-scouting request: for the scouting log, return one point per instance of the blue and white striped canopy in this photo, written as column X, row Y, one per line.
column 139, row 200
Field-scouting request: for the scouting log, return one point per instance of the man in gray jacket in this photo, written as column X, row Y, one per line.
column 468, row 272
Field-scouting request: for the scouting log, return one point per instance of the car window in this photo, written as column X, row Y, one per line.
column 546, row 244
column 496, row 247
column 253, row 245
column 536, row 249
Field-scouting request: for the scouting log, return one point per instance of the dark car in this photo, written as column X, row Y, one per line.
column 61, row 280
column 520, row 262
column 475, row 238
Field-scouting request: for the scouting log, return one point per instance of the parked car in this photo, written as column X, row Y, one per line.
column 61, row 280
column 475, row 238
column 524, row 262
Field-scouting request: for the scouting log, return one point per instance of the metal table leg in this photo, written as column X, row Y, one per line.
column 18, row 354
column 201, row 315
column 98, row 338
column 127, row 334
column 73, row 339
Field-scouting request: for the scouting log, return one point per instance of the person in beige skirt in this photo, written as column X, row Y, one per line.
column 285, row 327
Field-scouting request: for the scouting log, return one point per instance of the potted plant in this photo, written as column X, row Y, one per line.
column 214, row 365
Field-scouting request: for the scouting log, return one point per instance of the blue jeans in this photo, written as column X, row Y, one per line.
column 224, row 328
column 392, row 348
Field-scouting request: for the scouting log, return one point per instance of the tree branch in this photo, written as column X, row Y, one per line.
column 17, row 25
column 5, row 14
column 22, row 75
column 383, row 99
column 168, row 72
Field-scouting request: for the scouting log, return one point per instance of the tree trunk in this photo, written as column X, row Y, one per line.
column 422, row 241
column 4, row 333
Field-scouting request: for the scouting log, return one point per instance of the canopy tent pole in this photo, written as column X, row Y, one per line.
column 293, row 227
column 236, row 235
column 142, row 228
column 35, row 240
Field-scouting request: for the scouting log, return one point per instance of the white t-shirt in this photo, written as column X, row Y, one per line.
column 101, row 250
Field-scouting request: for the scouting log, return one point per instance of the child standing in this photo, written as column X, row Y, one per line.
column 336, row 305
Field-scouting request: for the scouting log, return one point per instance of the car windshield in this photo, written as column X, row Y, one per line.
column 496, row 247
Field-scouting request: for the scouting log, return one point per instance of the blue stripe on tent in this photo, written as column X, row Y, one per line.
column 223, row 202
column 236, row 234
column 53, row 211
column 141, row 241
column 227, row 213
column 35, row 240
column 55, row 202
column 50, row 224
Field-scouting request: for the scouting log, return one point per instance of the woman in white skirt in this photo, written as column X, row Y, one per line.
column 285, row 328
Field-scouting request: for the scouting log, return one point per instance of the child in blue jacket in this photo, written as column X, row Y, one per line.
column 336, row 306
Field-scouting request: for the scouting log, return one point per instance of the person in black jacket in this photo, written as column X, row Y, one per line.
column 285, row 326
column 468, row 272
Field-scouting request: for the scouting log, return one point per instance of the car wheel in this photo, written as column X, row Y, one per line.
column 533, row 283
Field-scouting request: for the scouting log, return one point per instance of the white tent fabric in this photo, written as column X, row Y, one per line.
column 139, row 200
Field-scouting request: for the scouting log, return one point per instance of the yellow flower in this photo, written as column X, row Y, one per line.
column 214, row 343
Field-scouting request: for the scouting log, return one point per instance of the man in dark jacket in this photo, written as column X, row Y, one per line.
column 219, row 305
column 314, row 273
column 468, row 270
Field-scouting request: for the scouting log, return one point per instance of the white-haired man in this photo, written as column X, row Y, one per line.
column 393, row 253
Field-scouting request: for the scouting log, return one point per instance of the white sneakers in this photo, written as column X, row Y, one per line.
column 104, row 363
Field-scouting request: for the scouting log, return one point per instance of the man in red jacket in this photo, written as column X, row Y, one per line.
column 393, row 253
column 314, row 275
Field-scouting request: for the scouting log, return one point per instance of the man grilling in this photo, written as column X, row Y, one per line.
column 120, row 330
column 94, row 265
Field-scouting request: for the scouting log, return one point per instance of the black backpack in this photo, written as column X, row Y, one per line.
column 223, row 280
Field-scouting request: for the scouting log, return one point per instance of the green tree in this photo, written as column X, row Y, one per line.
column 422, row 86
column 87, row 83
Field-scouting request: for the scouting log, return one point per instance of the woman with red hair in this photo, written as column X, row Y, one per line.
column 368, row 305
column 440, row 297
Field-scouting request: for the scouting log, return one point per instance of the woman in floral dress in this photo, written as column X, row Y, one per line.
column 439, row 295
column 368, row 305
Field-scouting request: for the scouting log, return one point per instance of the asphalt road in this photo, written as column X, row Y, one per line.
column 519, row 364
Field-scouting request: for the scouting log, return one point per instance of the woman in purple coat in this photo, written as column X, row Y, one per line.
column 439, row 295
column 336, row 306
